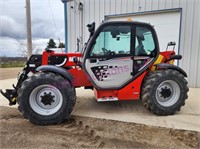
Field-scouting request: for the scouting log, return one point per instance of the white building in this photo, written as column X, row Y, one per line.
column 174, row 20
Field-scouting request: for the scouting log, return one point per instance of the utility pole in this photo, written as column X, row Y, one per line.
column 28, row 26
column 66, row 22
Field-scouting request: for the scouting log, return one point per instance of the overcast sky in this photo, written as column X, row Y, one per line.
column 13, row 24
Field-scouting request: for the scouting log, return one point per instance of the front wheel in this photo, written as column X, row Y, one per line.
column 164, row 92
column 46, row 98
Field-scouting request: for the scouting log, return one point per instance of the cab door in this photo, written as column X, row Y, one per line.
column 108, row 62
column 146, row 49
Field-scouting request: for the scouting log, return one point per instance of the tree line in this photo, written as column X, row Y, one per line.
column 52, row 44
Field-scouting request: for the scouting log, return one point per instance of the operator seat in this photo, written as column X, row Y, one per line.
column 139, row 50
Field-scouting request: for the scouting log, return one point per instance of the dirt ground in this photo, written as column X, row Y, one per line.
column 82, row 132
column 8, row 73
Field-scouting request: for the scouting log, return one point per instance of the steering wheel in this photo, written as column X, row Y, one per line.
column 108, row 52
column 105, row 50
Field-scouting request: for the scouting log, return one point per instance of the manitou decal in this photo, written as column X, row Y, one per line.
column 102, row 72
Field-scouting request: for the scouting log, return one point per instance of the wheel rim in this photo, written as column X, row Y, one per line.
column 46, row 100
column 168, row 93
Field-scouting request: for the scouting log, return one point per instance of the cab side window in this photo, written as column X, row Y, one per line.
column 144, row 42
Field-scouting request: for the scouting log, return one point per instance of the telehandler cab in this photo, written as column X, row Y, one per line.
column 120, row 61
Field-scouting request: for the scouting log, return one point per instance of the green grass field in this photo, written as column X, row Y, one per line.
column 8, row 62
column 12, row 64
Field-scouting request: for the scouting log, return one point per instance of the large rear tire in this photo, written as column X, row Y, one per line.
column 46, row 98
column 164, row 92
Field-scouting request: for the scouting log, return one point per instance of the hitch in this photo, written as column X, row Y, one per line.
column 11, row 95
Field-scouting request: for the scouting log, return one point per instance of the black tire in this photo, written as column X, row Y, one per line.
column 164, row 92
column 74, row 98
column 46, row 98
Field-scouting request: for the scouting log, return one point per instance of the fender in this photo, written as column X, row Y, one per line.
column 170, row 66
column 58, row 70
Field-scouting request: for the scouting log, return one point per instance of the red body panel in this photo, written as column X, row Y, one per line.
column 129, row 92
column 132, row 90
column 167, row 54
column 70, row 57
column 80, row 78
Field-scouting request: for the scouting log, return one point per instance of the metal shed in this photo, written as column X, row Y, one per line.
column 181, row 19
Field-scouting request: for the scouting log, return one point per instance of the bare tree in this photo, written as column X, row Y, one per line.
column 23, row 48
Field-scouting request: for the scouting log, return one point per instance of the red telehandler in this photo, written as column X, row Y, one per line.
column 120, row 61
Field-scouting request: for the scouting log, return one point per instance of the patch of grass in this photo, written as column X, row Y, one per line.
column 12, row 64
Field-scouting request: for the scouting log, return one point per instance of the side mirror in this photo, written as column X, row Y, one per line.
column 91, row 28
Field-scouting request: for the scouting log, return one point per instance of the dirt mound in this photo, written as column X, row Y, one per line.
column 83, row 132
